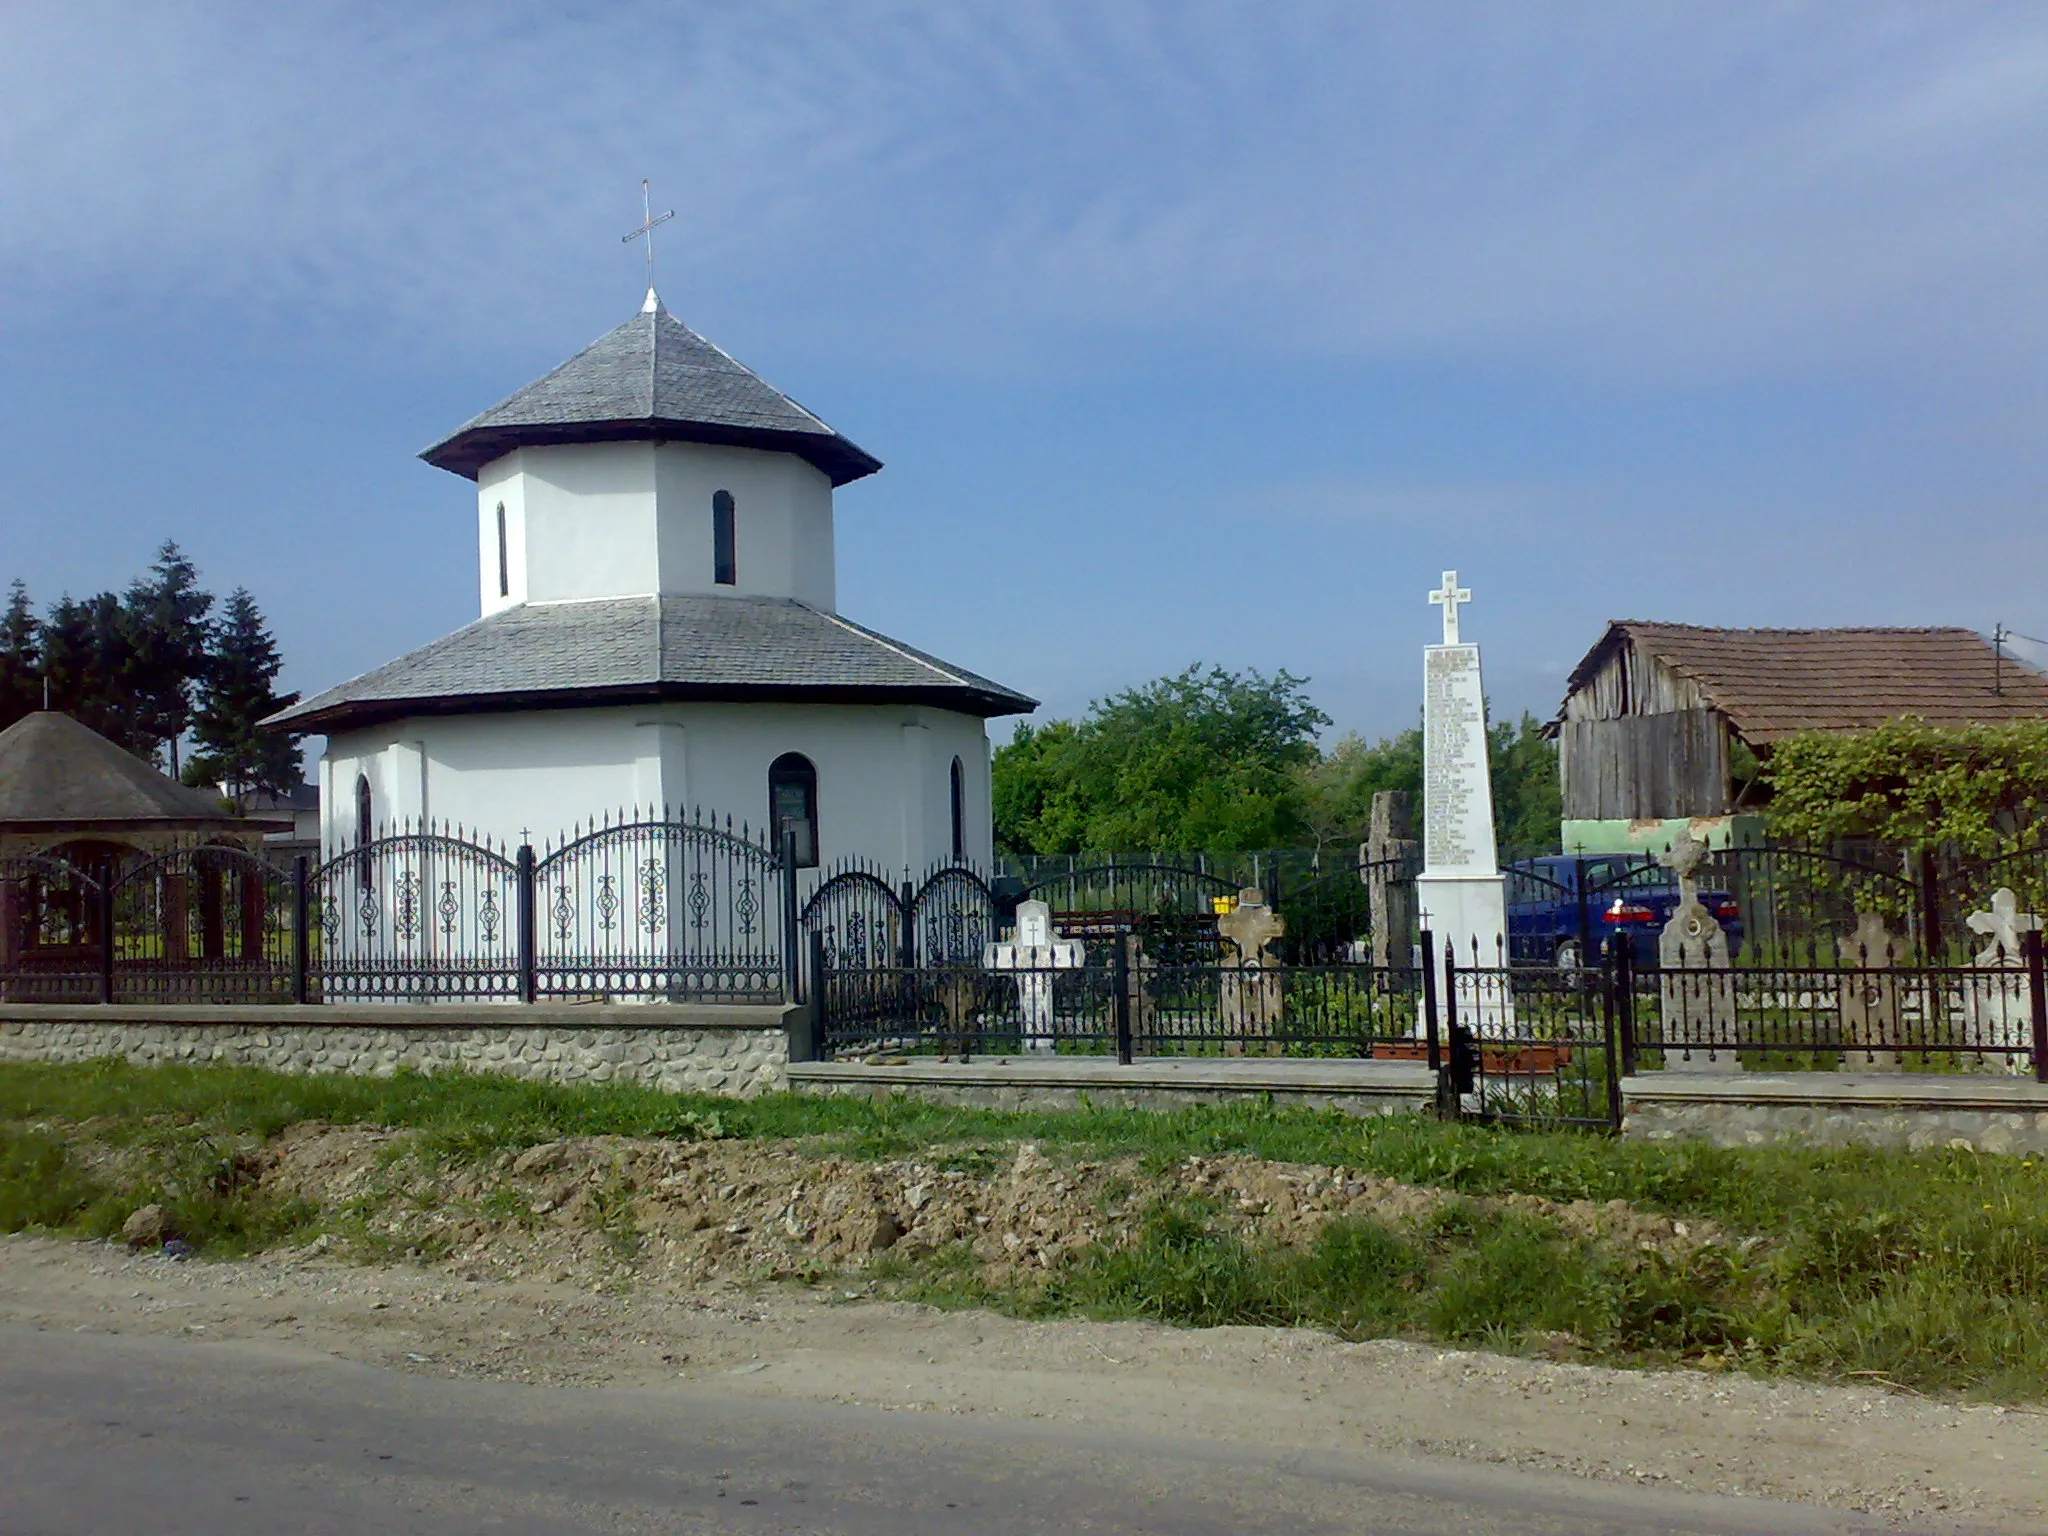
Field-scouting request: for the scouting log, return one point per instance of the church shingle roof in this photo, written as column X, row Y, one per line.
column 623, row 649
column 652, row 377
column 54, row 770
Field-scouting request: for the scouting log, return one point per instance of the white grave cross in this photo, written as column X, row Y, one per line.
column 1448, row 599
column 2003, row 925
column 1034, row 956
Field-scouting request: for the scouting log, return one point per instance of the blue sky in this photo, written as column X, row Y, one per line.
column 1186, row 331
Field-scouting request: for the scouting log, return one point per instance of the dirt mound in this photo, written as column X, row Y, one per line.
column 749, row 1209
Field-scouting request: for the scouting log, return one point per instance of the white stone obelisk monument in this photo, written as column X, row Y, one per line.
column 1460, row 890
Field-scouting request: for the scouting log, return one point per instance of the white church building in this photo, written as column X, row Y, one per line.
column 659, row 635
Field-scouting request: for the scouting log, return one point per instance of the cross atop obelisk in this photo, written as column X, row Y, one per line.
column 648, row 219
column 1449, row 598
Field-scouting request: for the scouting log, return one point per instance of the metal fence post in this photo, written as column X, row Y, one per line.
column 302, row 929
column 2037, row 993
column 908, row 959
column 792, row 969
column 106, row 905
column 1930, row 910
column 819, row 998
column 1429, row 1026
column 1622, row 977
column 1120, row 1004
column 529, row 971
column 1616, row 1031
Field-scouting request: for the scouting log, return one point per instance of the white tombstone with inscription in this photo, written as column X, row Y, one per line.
column 1460, row 891
column 1034, row 955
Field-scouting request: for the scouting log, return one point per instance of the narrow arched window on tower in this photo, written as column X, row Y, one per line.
column 959, row 812
column 725, row 560
column 793, row 806
column 504, row 567
column 364, row 827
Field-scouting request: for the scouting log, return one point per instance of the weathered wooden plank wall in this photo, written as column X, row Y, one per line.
column 1640, row 766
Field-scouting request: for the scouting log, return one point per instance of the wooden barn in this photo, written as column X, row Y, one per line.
column 1667, row 721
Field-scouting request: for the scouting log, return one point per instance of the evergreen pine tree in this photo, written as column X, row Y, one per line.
column 88, row 657
column 236, row 692
column 21, row 658
column 166, row 619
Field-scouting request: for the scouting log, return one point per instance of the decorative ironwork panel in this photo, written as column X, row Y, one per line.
column 415, row 915
column 1172, row 905
column 672, row 909
column 953, row 916
column 858, row 918
column 203, row 924
column 51, row 934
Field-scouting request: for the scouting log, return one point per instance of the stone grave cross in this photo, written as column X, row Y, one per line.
column 1697, row 988
column 2004, row 926
column 1250, row 926
column 1448, row 599
column 1684, row 860
column 1249, row 992
column 1034, row 955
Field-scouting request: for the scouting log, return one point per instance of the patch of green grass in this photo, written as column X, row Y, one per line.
column 41, row 1186
column 1930, row 1268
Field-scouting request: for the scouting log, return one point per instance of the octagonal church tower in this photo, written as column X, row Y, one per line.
column 659, row 629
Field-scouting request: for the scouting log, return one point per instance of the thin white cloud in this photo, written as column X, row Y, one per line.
column 1643, row 189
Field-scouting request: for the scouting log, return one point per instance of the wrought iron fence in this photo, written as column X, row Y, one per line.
column 206, row 924
column 415, row 915
column 665, row 909
column 1124, row 1007
column 1847, row 1017
column 55, row 932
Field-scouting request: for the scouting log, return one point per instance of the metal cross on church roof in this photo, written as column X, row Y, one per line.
column 648, row 219
column 1451, row 595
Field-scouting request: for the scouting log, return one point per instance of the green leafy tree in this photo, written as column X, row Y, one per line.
column 1205, row 759
column 237, row 690
column 1983, row 788
column 1527, row 799
column 169, row 646
column 1338, row 787
column 21, row 658
column 1528, row 795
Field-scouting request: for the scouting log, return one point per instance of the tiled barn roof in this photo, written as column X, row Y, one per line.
column 1771, row 683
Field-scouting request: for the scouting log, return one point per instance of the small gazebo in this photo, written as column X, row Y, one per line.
column 80, row 820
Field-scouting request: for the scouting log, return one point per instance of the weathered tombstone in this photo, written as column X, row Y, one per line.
column 1250, row 991
column 1034, row 955
column 1384, row 858
column 1698, row 985
column 1999, row 1011
column 1138, row 993
column 1460, row 891
column 1870, row 998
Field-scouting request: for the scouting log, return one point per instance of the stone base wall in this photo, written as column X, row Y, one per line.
column 1836, row 1110
column 1082, row 1082
column 677, row 1054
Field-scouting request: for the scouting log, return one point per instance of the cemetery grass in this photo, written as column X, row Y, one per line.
column 1925, row 1270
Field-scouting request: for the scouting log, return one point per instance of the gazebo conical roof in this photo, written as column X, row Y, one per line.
column 59, row 775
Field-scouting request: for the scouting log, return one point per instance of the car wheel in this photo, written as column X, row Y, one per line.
column 1568, row 957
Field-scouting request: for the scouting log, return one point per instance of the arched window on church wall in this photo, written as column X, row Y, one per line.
column 504, row 563
column 725, row 560
column 959, row 812
column 365, row 827
column 793, row 806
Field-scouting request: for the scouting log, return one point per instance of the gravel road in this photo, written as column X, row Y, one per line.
column 1235, row 1392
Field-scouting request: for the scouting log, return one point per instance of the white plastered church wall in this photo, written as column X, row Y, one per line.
column 884, row 772
column 589, row 520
